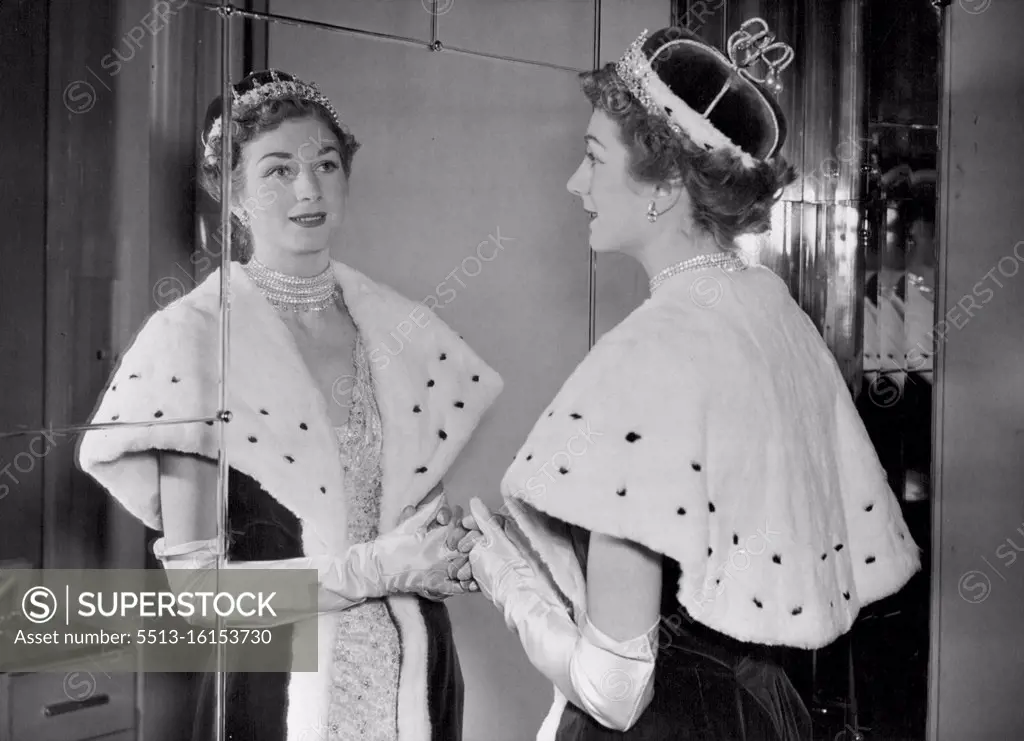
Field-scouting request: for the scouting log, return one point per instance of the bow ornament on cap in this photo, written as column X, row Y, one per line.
column 753, row 43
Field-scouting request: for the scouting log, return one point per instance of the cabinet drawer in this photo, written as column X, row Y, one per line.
column 122, row 736
column 70, row 706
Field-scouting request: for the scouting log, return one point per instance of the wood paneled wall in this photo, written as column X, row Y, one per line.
column 23, row 50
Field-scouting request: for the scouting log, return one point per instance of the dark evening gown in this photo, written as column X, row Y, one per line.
column 707, row 686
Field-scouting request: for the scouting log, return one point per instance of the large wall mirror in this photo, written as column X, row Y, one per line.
column 469, row 121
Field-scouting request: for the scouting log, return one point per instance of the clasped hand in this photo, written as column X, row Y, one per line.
column 428, row 553
column 457, row 553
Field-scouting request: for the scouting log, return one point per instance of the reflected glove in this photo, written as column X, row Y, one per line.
column 412, row 558
column 416, row 557
column 193, row 567
column 613, row 681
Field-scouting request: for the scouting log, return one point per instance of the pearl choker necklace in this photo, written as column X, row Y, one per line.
column 291, row 292
column 724, row 260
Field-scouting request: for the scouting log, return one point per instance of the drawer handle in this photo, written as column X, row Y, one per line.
column 63, row 708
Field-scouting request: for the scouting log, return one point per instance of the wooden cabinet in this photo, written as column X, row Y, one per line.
column 73, row 706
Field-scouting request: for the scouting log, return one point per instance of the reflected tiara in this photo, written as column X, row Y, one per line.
column 273, row 90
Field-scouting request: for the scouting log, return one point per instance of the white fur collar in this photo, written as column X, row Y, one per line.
column 432, row 391
column 759, row 479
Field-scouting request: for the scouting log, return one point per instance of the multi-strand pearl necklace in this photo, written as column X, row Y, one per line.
column 722, row 260
column 292, row 292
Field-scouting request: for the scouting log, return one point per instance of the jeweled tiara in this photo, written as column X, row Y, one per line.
column 273, row 90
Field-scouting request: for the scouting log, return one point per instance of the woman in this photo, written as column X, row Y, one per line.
column 707, row 450
column 330, row 439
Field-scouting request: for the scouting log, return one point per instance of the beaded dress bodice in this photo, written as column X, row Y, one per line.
column 367, row 654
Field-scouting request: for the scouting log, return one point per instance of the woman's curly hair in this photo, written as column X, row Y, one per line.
column 249, row 126
column 728, row 199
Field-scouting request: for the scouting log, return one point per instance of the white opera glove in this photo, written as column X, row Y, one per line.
column 412, row 558
column 613, row 681
column 192, row 567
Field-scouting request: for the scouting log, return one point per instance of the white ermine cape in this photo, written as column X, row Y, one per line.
column 720, row 433
column 431, row 388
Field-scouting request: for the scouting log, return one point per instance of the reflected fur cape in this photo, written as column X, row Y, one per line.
column 713, row 426
column 279, row 433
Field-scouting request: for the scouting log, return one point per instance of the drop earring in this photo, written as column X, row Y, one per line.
column 652, row 214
